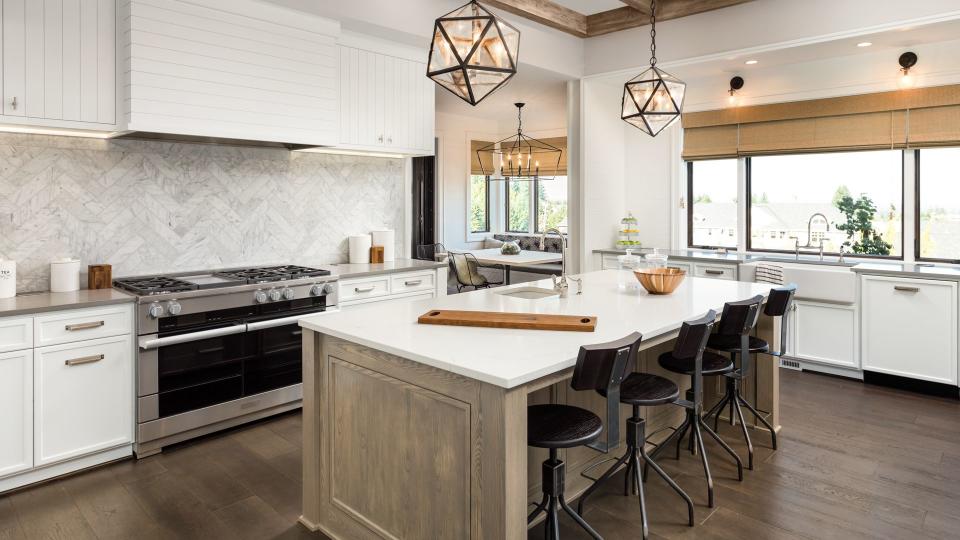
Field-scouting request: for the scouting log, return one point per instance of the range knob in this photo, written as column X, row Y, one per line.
column 328, row 288
column 321, row 289
column 274, row 294
column 288, row 294
column 155, row 310
column 260, row 297
column 174, row 307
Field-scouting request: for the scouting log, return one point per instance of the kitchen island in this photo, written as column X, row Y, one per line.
column 419, row 431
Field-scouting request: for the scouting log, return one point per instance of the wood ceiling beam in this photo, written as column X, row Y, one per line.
column 545, row 12
column 629, row 17
column 643, row 6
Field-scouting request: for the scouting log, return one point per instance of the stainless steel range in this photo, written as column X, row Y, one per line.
column 219, row 349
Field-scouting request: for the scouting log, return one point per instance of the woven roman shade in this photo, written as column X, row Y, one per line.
column 487, row 157
column 546, row 169
column 900, row 119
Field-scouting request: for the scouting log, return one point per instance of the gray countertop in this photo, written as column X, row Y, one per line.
column 348, row 270
column 40, row 302
column 910, row 270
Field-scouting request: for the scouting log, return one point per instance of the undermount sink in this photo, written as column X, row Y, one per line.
column 828, row 283
column 529, row 293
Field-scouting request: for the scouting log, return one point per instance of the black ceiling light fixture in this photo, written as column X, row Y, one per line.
column 519, row 157
column 473, row 52
column 907, row 60
column 736, row 83
column 654, row 99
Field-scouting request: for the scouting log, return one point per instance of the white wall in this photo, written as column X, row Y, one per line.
column 649, row 164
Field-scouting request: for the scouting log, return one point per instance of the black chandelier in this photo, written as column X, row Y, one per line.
column 519, row 157
column 473, row 52
column 654, row 99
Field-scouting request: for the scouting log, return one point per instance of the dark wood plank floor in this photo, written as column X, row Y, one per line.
column 855, row 462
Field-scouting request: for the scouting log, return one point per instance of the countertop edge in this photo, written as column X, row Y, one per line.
column 930, row 272
column 426, row 265
column 79, row 304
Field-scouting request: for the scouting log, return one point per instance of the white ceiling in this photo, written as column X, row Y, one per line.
column 589, row 7
column 543, row 91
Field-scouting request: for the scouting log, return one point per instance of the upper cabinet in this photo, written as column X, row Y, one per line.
column 237, row 69
column 59, row 63
column 386, row 99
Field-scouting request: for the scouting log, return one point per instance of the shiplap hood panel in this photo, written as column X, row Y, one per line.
column 229, row 70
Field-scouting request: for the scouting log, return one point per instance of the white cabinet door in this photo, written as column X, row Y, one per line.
column 16, row 412
column 16, row 333
column 825, row 333
column 59, row 61
column 715, row 271
column 83, row 398
column 910, row 328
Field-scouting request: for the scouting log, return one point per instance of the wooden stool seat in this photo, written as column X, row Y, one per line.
column 561, row 426
column 713, row 364
column 724, row 343
column 647, row 390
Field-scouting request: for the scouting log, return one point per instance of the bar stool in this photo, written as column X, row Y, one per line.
column 648, row 390
column 733, row 337
column 686, row 359
column 599, row 367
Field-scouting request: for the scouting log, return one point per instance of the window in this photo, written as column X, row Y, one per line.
column 938, row 206
column 844, row 198
column 518, row 205
column 551, row 204
column 712, row 212
column 479, row 204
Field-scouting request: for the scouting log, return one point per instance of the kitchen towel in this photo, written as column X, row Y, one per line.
column 387, row 239
column 65, row 275
column 360, row 249
column 769, row 273
column 8, row 279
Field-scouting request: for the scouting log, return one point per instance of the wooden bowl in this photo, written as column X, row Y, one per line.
column 660, row 280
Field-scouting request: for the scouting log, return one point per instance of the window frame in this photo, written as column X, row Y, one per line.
column 690, row 243
column 506, row 208
column 903, row 224
column 486, row 210
column 916, row 216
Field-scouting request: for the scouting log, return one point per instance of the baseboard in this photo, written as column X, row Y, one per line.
column 911, row 385
column 67, row 467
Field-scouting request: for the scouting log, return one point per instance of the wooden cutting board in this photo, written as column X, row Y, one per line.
column 522, row 321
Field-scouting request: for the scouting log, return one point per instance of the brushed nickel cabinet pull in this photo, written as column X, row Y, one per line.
column 84, row 360
column 715, row 272
column 84, row 326
column 413, row 283
column 906, row 289
column 13, row 103
column 363, row 290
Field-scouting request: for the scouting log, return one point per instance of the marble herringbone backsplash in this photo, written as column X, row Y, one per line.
column 148, row 207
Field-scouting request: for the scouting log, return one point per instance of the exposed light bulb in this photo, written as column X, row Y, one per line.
column 732, row 100
column 906, row 80
column 864, row 44
column 751, row 62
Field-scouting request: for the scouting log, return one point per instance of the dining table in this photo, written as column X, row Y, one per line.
column 526, row 258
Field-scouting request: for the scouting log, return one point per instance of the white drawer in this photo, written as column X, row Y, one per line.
column 82, row 324
column 715, row 271
column 404, row 283
column 364, row 288
column 16, row 333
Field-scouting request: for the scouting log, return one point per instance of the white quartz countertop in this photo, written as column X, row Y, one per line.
column 508, row 357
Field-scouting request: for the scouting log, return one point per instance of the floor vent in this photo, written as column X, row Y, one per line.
column 790, row 364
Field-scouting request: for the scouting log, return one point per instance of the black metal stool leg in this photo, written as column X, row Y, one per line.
column 576, row 517
column 773, row 432
column 676, row 487
column 681, row 431
column 643, row 503
column 539, row 509
column 554, row 516
column 715, row 410
column 706, row 465
column 729, row 450
column 746, row 434
column 603, row 478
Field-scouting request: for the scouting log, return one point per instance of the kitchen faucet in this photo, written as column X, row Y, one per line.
column 797, row 245
column 560, row 285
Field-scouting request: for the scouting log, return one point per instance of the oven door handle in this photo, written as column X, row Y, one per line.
column 147, row 344
column 283, row 321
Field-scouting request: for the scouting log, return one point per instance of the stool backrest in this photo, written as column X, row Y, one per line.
column 429, row 252
column 739, row 318
column 690, row 344
column 780, row 304
column 602, row 367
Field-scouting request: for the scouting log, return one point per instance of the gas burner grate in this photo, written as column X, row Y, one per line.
column 154, row 285
column 272, row 273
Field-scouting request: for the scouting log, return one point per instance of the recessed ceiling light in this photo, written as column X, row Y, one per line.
column 864, row 44
column 751, row 62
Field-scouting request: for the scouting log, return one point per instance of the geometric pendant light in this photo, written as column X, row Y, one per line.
column 654, row 99
column 520, row 157
column 472, row 52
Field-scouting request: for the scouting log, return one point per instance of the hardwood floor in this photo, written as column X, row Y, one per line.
column 854, row 462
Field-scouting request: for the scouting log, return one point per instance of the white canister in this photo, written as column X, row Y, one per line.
column 8, row 279
column 360, row 249
column 65, row 275
column 386, row 238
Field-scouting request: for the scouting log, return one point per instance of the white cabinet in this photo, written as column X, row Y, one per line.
column 824, row 333
column 59, row 63
column 414, row 285
column 716, row 271
column 83, row 398
column 386, row 99
column 240, row 69
column 910, row 328
column 16, row 333
column 16, row 411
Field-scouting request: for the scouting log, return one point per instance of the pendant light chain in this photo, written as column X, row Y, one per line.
column 653, row 32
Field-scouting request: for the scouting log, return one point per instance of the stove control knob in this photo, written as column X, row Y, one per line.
column 288, row 294
column 260, row 297
column 328, row 288
column 174, row 308
column 155, row 310
column 321, row 289
column 274, row 295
